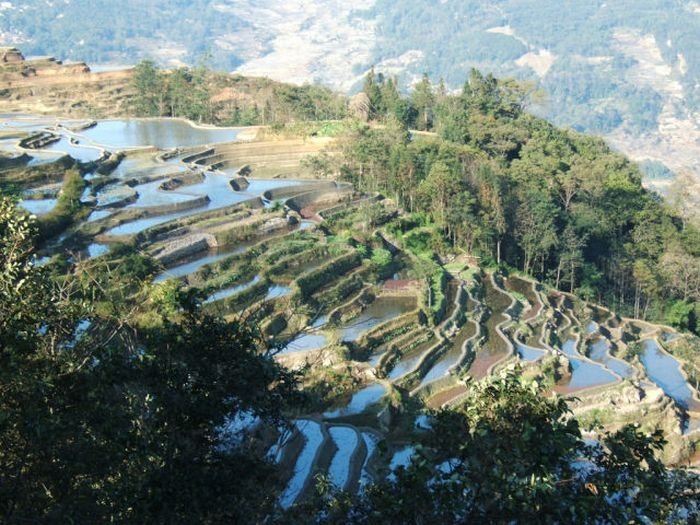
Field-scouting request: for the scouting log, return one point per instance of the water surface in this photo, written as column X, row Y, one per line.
column 360, row 401
column 665, row 371
column 495, row 348
column 529, row 354
column 233, row 290
column 382, row 309
column 346, row 439
column 97, row 249
column 401, row 458
column 600, row 352
column 161, row 133
column 305, row 342
column 277, row 291
column 220, row 194
column 407, row 363
column 584, row 373
column 38, row 206
column 196, row 263
column 452, row 356
column 371, row 441
column 313, row 437
column 82, row 153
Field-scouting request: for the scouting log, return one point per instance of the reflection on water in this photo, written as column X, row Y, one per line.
column 96, row 215
column 320, row 321
column 39, row 158
column 78, row 152
column 143, row 166
column 665, row 371
column 599, row 351
column 220, row 194
column 360, row 401
column 38, row 206
column 276, row 291
column 585, row 374
column 150, row 194
column 383, row 309
column 313, row 437
column 401, row 458
column 407, row 364
column 161, row 133
column 305, row 343
column 371, row 441
column 452, row 357
column 346, row 440
column 195, row 264
column 96, row 249
column 228, row 292
column 443, row 365
column 528, row 353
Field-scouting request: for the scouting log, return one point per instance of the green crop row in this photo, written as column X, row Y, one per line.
column 315, row 279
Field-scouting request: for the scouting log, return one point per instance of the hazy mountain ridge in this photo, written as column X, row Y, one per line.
column 629, row 70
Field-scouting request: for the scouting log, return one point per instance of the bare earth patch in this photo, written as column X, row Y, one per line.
column 310, row 40
column 676, row 142
column 540, row 62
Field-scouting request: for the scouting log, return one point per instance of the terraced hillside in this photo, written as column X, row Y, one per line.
column 627, row 70
column 319, row 270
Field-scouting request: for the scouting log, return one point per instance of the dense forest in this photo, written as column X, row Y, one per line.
column 200, row 94
column 590, row 84
column 496, row 181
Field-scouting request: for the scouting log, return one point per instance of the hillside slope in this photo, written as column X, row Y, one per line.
column 629, row 70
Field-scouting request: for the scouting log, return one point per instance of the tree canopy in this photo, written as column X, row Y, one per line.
column 122, row 407
column 506, row 185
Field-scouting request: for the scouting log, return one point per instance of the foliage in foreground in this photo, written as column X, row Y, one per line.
column 107, row 418
column 509, row 454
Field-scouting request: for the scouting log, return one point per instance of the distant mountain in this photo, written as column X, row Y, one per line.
column 627, row 69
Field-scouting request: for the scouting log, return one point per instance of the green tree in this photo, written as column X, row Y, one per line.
column 147, row 80
column 682, row 315
column 390, row 95
column 571, row 258
column 119, row 405
column 372, row 87
column 423, row 99
column 178, row 94
column 509, row 454
column 536, row 230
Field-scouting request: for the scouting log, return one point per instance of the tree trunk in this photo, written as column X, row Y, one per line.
column 556, row 282
column 573, row 277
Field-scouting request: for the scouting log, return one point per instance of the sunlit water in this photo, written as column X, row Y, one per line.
column 584, row 373
column 161, row 133
column 346, row 440
column 311, row 430
column 38, row 206
column 359, row 402
column 665, row 371
column 383, row 309
column 600, row 352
